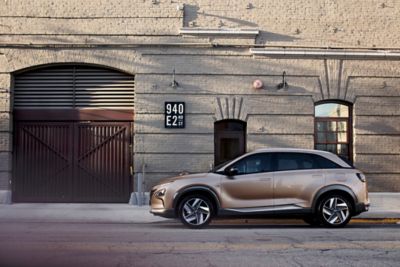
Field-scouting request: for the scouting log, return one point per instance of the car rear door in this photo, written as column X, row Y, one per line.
column 296, row 179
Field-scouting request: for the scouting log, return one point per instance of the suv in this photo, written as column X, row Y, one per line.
column 316, row 185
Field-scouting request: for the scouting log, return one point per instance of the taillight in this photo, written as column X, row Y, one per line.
column 361, row 177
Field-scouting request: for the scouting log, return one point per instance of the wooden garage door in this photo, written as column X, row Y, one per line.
column 72, row 137
column 72, row 162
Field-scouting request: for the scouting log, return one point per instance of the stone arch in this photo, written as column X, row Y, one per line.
column 232, row 108
column 22, row 60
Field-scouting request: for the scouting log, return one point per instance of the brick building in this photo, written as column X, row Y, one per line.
column 83, row 86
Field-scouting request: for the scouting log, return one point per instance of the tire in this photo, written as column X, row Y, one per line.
column 312, row 220
column 195, row 211
column 334, row 211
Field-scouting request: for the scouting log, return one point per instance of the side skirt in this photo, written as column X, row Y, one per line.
column 263, row 212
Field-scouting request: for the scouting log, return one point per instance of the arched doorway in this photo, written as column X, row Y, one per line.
column 229, row 140
column 333, row 128
column 73, row 134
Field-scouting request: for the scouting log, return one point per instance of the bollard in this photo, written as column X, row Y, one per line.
column 140, row 189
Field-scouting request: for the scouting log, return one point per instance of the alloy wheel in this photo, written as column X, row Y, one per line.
column 335, row 210
column 196, row 211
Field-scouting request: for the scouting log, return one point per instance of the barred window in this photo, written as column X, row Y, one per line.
column 333, row 128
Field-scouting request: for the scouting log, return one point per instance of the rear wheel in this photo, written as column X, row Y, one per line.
column 195, row 211
column 334, row 211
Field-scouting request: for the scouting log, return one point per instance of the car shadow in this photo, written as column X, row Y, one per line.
column 271, row 225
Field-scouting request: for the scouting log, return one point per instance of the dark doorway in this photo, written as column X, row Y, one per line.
column 229, row 140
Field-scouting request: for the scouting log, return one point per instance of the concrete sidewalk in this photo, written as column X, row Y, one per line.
column 383, row 206
column 77, row 213
column 114, row 213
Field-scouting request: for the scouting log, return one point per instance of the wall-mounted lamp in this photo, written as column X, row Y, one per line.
column 249, row 6
column 174, row 84
column 257, row 84
column 283, row 84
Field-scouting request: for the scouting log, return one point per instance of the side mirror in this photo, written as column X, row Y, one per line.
column 231, row 171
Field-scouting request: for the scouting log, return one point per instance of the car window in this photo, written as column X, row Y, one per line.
column 219, row 166
column 295, row 161
column 325, row 163
column 254, row 164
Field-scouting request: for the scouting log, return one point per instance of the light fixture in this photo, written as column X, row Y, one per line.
column 174, row 84
column 257, row 84
column 283, row 84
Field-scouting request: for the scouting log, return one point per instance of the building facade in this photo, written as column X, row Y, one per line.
column 84, row 86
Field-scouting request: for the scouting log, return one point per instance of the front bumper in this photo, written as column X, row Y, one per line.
column 166, row 213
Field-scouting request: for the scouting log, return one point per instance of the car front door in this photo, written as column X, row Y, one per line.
column 252, row 186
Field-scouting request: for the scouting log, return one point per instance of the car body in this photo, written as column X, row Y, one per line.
column 317, row 185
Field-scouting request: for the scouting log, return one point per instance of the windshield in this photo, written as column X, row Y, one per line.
column 219, row 166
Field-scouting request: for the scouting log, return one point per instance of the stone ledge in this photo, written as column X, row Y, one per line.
column 5, row 196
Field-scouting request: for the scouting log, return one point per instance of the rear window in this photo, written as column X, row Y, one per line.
column 303, row 161
column 295, row 161
column 324, row 163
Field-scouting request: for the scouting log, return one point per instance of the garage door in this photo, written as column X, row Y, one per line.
column 73, row 135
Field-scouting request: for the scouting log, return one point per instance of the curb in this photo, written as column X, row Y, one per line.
column 376, row 220
column 300, row 221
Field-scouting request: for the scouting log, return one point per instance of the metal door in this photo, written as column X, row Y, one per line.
column 72, row 162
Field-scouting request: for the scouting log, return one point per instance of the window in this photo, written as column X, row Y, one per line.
column 324, row 163
column 254, row 164
column 295, row 161
column 333, row 128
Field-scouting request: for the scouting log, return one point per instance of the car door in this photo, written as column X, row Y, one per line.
column 252, row 186
column 296, row 178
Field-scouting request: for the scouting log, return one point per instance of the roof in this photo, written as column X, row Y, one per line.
column 286, row 149
column 326, row 154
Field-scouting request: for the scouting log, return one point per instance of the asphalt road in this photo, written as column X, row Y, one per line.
column 170, row 244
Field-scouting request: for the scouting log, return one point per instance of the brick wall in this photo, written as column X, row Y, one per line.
column 125, row 35
column 324, row 23
column 5, row 131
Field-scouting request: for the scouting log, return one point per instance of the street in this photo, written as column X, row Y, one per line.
column 170, row 244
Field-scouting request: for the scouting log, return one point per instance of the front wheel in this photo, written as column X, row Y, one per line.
column 195, row 211
column 334, row 211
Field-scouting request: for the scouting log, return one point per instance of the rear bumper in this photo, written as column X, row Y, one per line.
column 166, row 213
column 361, row 207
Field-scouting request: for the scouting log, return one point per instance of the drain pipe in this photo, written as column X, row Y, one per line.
column 140, row 183
column 139, row 189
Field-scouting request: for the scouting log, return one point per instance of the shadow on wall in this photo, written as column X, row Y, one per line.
column 375, row 127
column 376, row 184
column 265, row 36
column 192, row 14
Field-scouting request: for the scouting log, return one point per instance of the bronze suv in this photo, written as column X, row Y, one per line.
column 318, row 186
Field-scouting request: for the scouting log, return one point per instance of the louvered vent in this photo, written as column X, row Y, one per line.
column 74, row 87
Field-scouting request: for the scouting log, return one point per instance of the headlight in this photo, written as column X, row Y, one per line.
column 160, row 193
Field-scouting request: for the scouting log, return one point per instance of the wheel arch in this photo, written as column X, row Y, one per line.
column 334, row 189
column 198, row 189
